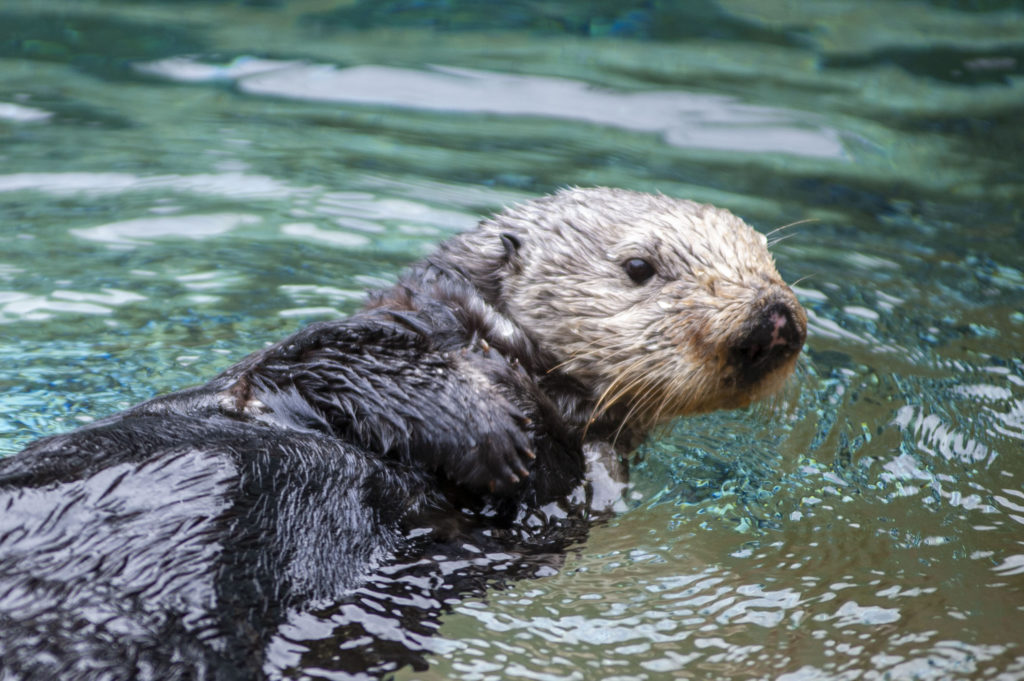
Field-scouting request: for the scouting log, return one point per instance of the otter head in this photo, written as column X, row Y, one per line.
column 662, row 307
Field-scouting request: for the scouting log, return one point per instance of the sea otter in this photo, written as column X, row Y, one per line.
column 169, row 541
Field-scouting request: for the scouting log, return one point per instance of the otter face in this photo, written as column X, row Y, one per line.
column 668, row 307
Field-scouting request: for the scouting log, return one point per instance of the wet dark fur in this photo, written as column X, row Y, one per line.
column 169, row 541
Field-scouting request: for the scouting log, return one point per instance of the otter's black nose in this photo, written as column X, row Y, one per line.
column 772, row 338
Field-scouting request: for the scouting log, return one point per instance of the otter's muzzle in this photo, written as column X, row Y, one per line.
column 773, row 337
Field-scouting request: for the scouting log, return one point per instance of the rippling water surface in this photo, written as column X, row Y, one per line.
column 183, row 182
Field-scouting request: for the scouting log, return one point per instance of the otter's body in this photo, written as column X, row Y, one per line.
column 171, row 540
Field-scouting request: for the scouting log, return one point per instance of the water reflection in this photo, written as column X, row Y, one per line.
column 15, row 305
column 683, row 119
column 393, row 620
column 17, row 113
column 132, row 233
column 230, row 184
column 354, row 211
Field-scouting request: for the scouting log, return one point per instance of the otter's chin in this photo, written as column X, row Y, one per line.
column 733, row 396
column 765, row 388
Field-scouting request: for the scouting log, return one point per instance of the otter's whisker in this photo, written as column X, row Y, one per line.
column 791, row 224
column 772, row 243
column 644, row 388
column 803, row 278
column 625, row 420
column 589, row 350
column 642, row 406
column 620, row 389
column 668, row 398
column 611, row 396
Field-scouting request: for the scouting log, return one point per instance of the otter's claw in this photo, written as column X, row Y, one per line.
column 500, row 461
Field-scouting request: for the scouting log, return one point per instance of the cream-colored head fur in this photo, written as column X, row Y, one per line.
column 666, row 346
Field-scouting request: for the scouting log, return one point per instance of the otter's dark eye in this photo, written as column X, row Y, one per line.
column 638, row 269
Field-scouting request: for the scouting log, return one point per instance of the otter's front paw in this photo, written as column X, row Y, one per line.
column 498, row 457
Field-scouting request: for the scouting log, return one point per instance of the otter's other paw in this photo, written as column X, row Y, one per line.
column 497, row 452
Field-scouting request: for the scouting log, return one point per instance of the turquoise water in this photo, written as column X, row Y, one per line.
column 183, row 182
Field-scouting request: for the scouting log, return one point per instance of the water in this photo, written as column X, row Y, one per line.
column 183, row 182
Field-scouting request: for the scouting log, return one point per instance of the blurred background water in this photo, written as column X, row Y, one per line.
column 183, row 182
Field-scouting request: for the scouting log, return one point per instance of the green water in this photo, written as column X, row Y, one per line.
column 183, row 182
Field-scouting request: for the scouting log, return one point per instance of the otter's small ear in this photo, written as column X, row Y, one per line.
column 512, row 246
